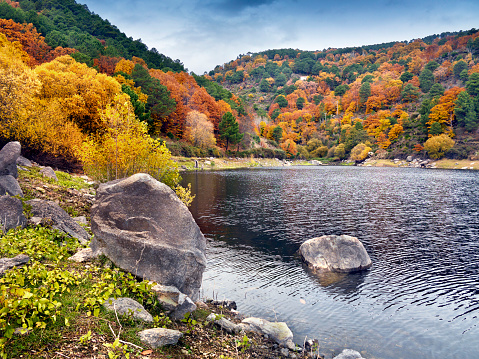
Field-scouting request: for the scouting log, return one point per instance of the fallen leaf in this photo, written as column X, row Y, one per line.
column 146, row 352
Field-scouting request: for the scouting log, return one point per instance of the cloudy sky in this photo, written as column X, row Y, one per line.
column 206, row 33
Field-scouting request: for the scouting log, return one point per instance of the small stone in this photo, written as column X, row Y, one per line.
column 128, row 306
column 158, row 337
column 80, row 220
column 49, row 173
column 83, row 255
column 223, row 323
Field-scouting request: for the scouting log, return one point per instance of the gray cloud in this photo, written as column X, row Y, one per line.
column 237, row 6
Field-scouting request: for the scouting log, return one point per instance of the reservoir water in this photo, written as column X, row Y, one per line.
column 420, row 227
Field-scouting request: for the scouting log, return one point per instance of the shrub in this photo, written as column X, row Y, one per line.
column 436, row 146
column 340, row 151
column 360, row 152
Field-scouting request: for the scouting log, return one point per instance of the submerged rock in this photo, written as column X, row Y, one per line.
column 335, row 253
column 349, row 354
column 142, row 226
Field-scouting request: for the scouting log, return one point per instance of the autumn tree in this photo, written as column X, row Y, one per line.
column 36, row 123
column 229, row 130
column 360, row 152
column 289, row 146
column 79, row 90
column 126, row 148
column 33, row 43
column 437, row 146
column 199, row 130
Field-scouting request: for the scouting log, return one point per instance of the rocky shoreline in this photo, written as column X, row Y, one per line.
column 212, row 164
column 198, row 329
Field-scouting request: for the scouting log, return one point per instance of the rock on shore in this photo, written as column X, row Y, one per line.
column 142, row 226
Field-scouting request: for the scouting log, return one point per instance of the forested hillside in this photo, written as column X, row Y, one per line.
column 393, row 99
column 66, row 24
column 72, row 84
column 69, row 78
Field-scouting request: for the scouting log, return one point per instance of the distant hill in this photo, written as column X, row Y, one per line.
column 392, row 97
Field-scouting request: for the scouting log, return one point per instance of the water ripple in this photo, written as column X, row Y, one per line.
column 421, row 229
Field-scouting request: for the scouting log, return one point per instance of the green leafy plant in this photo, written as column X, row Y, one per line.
column 191, row 322
column 118, row 350
column 244, row 343
column 29, row 297
column 84, row 339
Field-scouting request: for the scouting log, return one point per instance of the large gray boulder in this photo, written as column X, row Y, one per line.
column 61, row 219
column 142, row 226
column 8, row 159
column 11, row 213
column 9, row 185
column 335, row 253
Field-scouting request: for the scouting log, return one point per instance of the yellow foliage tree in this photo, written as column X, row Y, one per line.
column 125, row 66
column 360, row 152
column 126, row 148
column 199, row 130
column 80, row 90
column 35, row 123
column 436, row 146
column 18, row 83
column 289, row 146
column 395, row 131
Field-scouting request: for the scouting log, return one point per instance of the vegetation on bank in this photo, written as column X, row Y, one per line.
column 53, row 306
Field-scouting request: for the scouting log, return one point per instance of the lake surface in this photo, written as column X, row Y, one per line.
column 420, row 227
